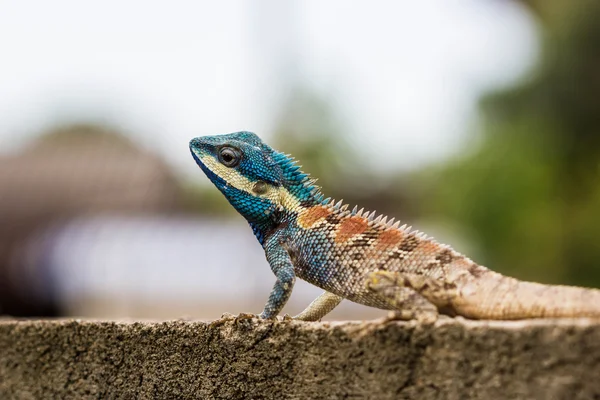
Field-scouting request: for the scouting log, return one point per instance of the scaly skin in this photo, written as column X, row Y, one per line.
column 357, row 256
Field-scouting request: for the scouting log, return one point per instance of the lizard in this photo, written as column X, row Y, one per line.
column 361, row 256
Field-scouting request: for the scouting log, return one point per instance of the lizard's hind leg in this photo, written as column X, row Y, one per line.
column 410, row 296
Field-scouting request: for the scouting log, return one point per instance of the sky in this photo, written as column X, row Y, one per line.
column 403, row 76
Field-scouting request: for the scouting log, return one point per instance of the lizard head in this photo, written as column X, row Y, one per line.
column 261, row 183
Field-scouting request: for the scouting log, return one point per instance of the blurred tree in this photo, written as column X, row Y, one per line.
column 530, row 193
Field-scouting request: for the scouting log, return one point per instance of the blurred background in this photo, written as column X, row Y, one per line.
column 477, row 121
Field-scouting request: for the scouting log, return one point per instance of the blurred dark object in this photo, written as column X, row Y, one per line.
column 72, row 171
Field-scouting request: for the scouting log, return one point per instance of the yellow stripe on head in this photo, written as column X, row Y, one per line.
column 279, row 195
column 229, row 175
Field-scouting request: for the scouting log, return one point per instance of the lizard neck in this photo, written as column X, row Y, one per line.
column 298, row 193
column 283, row 218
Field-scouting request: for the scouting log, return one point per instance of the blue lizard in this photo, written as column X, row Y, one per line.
column 356, row 255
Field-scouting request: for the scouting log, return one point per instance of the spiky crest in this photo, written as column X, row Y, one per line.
column 302, row 186
column 375, row 220
column 298, row 183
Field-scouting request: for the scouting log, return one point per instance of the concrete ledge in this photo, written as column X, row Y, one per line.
column 456, row 359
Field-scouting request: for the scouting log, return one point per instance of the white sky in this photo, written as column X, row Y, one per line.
column 403, row 75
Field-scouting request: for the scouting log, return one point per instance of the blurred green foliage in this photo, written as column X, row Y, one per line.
column 529, row 194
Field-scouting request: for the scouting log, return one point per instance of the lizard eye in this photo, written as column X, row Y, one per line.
column 229, row 156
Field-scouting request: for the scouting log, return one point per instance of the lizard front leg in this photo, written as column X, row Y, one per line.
column 320, row 307
column 281, row 265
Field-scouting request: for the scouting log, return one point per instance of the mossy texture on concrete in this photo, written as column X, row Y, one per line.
column 455, row 359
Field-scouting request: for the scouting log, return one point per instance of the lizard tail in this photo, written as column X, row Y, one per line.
column 508, row 298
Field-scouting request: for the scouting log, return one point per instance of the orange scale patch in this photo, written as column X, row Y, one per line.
column 311, row 216
column 349, row 227
column 428, row 247
column 388, row 238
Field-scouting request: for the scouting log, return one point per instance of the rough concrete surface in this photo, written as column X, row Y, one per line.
column 455, row 359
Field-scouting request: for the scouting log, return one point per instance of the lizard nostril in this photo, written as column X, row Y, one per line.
column 195, row 142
